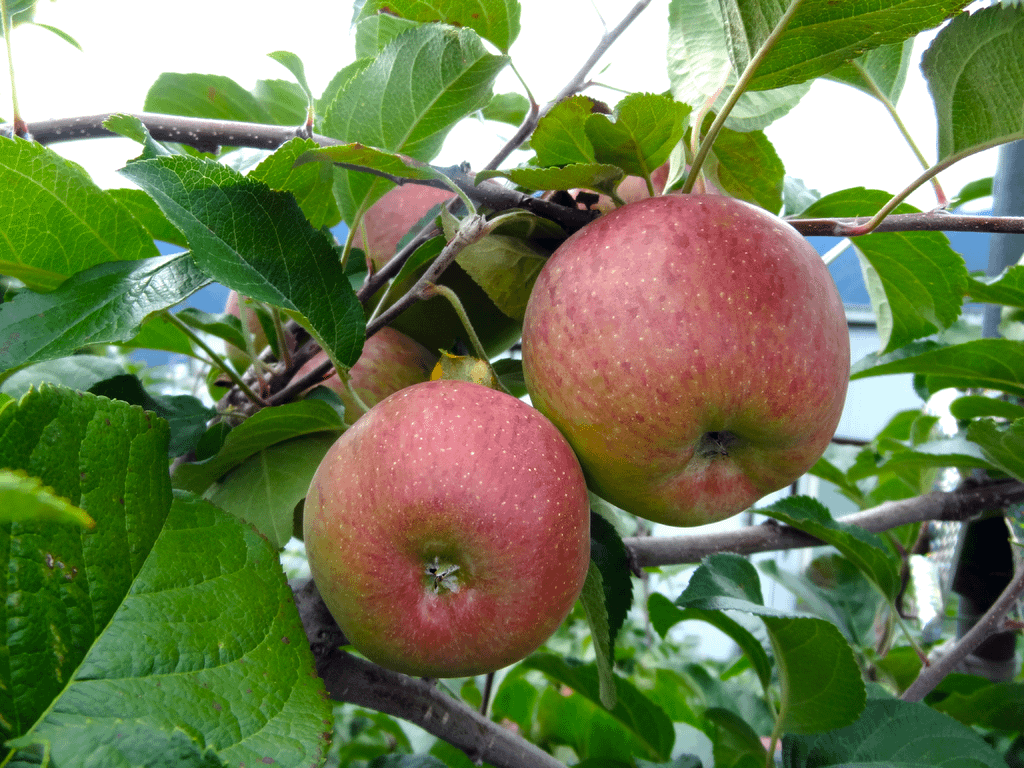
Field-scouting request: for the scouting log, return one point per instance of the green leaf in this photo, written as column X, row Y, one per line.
column 916, row 280
column 235, row 665
column 972, row 190
column 560, row 137
column 975, row 701
column 24, row 498
column 823, row 35
column 494, row 20
column 1002, row 446
column 863, row 549
column 110, row 460
column 257, row 241
column 294, row 64
column 664, row 615
column 312, row 184
column 60, row 222
column 508, row 108
column 185, row 415
column 214, row 97
column 373, row 33
column 881, row 71
column 975, row 406
column 608, row 554
column 974, row 68
column 106, row 303
column 76, row 372
column 700, row 69
column 644, row 720
column 734, row 739
column 594, row 176
column 821, row 683
column 263, row 429
column 148, row 213
column 506, row 268
column 746, row 166
column 984, row 363
column 1007, row 288
column 891, row 732
column 724, row 582
column 645, row 129
column 408, row 99
column 369, row 157
column 284, row 101
column 593, row 600
column 265, row 488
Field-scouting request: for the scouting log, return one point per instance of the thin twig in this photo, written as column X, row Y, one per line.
column 932, row 674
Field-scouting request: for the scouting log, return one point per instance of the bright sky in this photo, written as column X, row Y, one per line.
column 836, row 137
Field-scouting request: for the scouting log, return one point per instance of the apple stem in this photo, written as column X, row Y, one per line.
column 215, row 359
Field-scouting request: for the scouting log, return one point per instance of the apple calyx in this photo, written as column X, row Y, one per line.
column 441, row 577
column 714, row 444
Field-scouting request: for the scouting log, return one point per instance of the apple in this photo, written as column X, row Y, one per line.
column 448, row 530
column 390, row 361
column 433, row 322
column 239, row 357
column 694, row 351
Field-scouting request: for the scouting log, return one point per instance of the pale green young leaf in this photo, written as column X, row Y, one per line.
column 506, row 268
column 701, row 73
column 79, row 372
column 974, row 68
column 508, row 108
column 294, row 64
column 978, row 406
column 368, row 157
column 214, row 97
column 230, row 661
column 285, row 102
column 407, row 100
column 60, row 222
column 916, row 280
column 822, row 34
column 494, row 20
column 264, row 489
column 108, row 459
column 373, row 33
column 880, row 71
column 149, row 215
column 258, row 242
column 265, row 428
column 106, row 303
column 24, row 498
column 820, row 682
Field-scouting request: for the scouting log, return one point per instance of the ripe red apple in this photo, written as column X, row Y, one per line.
column 448, row 530
column 433, row 322
column 694, row 351
column 390, row 361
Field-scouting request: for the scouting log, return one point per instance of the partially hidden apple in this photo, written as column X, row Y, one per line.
column 390, row 361
column 250, row 322
column 694, row 351
column 448, row 530
column 433, row 322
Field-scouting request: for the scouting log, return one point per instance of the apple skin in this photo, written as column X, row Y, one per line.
column 237, row 356
column 472, row 477
column 390, row 361
column 433, row 322
column 694, row 351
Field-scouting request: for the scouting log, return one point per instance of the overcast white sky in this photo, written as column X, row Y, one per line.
column 836, row 138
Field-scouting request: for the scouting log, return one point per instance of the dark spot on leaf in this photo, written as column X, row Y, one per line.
column 285, row 640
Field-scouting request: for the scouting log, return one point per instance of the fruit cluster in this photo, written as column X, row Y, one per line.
column 685, row 356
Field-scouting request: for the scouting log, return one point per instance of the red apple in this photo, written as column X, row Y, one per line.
column 694, row 351
column 390, row 361
column 448, row 530
column 237, row 356
column 433, row 322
